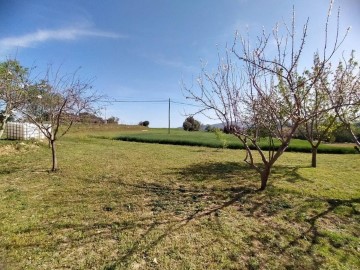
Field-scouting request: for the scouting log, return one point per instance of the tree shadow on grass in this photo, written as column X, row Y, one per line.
column 316, row 233
column 184, row 205
column 5, row 171
column 236, row 172
column 171, row 207
column 176, row 207
column 228, row 184
column 290, row 173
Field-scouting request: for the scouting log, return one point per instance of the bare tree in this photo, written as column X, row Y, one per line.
column 55, row 103
column 317, row 108
column 13, row 85
column 345, row 93
column 266, row 95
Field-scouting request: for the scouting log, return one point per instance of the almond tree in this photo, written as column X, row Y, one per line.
column 345, row 93
column 255, row 92
column 55, row 103
column 13, row 85
column 317, row 108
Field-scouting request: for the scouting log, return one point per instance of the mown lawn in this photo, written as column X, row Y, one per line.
column 126, row 205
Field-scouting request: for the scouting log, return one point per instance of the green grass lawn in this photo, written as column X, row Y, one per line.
column 127, row 205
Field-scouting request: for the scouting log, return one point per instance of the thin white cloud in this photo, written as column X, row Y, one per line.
column 41, row 36
column 160, row 60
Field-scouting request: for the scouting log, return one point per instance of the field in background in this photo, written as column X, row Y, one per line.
column 126, row 205
column 208, row 139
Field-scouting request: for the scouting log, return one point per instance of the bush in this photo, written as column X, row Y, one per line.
column 343, row 135
column 113, row 120
column 210, row 128
column 190, row 124
column 187, row 126
column 144, row 123
column 221, row 138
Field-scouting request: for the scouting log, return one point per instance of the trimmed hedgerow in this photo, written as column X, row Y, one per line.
column 295, row 146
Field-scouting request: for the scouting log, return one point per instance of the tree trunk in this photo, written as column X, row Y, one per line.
column 1, row 131
column 354, row 137
column 54, row 159
column 313, row 157
column 3, row 124
column 265, row 176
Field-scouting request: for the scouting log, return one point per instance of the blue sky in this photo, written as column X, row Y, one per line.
column 141, row 50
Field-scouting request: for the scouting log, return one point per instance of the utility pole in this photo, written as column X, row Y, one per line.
column 105, row 116
column 169, row 117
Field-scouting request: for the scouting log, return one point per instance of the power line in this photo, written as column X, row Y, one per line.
column 169, row 101
column 151, row 101
column 188, row 104
column 134, row 101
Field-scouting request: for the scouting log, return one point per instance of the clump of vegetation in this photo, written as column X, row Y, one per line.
column 89, row 118
column 191, row 124
column 210, row 128
column 113, row 120
column 220, row 136
column 144, row 123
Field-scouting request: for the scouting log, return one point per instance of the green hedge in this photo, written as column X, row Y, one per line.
column 295, row 146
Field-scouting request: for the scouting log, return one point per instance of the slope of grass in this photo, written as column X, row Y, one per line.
column 125, row 205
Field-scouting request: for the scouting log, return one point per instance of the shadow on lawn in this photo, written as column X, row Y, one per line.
column 216, row 171
column 189, row 202
column 237, row 172
column 176, row 207
column 179, row 204
column 183, row 205
column 314, row 233
column 290, row 173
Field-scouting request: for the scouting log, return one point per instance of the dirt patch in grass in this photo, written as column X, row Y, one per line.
column 7, row 150
column 19, row 147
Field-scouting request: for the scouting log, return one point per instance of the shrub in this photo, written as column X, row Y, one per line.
column 221, row 138
column 113, row 120
column 144, row 123
column 190, row 124
column 343, row 135
column 210, row 128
